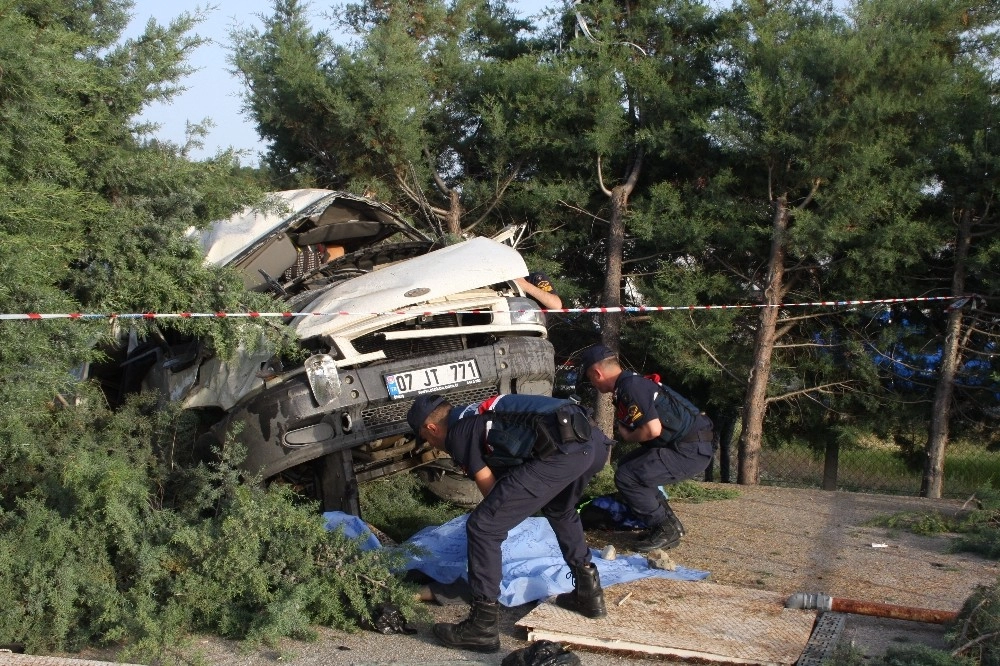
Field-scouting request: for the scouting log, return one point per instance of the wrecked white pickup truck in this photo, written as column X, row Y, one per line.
column 394, row 318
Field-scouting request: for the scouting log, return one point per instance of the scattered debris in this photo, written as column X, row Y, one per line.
column 541, row 653
column 659, row 559
column 625, row 598
column 880, row 545
column 389, row 620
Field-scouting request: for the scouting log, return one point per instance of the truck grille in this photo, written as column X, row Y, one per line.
column 399, row 350
column 395, row 412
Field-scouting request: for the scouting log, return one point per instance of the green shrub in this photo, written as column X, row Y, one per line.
column 923, row 522
column 401, row 506
column 906, row 655
column 975, row 634
column 921, row 655
column 114, row 546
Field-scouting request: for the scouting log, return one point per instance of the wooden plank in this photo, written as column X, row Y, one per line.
column 688, row 620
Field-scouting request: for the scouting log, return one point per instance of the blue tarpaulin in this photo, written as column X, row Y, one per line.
column 533, row 567
column 353, row 528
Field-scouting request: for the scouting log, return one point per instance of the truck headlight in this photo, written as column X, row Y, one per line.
column 324, row 379
column 525, row 311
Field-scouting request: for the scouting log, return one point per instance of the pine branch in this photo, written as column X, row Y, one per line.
column 823, row 388
column 975, row 641
column 719, row 363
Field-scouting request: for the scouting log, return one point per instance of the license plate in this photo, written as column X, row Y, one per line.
column 430, row 380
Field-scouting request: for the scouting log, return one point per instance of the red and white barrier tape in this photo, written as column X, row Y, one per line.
column 599, row 310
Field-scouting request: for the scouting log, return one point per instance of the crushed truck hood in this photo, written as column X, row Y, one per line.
column 472, row 264
column 227, row 239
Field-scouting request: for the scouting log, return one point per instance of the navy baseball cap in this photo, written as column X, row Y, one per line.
column 422, row 407
column 592, row 355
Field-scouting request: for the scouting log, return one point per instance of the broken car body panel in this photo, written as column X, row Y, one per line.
column 471, row 264
column 268, row 236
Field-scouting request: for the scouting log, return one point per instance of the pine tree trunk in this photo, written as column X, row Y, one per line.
column 755, row 402
column 454, row 220
column 611, row 322
column 937, row 437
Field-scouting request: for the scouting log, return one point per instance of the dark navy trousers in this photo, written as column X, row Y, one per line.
column 552, row 485
column 641, row 472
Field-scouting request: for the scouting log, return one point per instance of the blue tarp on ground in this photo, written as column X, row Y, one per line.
column 353, row 528
column 533, row 567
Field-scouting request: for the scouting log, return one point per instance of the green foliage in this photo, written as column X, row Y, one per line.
column 978, row 529
column 110, row 535
column 925, row 523
column 686, row 491
column 603, row 483
column 114, row 546
column 982, row 540
column 419, row 108
column 974, row 634
column 906, row 655
column 692, row 491
column 921, row 655
column 400, row 506
column 846, row 655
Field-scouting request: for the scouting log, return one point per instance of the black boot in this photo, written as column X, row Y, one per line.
column 587, row 597
column 480, row 632
column 672, row 517
column 664, row 536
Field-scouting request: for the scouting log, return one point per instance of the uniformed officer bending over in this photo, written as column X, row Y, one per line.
column 676, row 442
column 525, row 453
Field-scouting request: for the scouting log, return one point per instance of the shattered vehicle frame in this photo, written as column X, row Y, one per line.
column 386, row 315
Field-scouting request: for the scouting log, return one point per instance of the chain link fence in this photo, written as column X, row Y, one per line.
column 870, row 466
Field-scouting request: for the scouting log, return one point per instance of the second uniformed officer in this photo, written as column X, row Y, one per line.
column 526, row 454
column 676, row 440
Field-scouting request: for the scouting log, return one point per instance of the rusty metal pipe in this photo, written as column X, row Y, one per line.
column 823, row 602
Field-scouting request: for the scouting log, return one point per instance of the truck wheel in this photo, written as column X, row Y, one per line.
column 450, row 484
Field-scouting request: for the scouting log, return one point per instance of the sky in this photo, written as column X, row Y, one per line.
column 212, row 92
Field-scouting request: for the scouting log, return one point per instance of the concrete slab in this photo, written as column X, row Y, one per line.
column 686, row 620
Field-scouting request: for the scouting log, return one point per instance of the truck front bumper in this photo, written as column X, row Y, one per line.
column 283, row 426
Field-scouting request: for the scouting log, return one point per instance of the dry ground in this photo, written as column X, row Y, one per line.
column 795, row 540
column 777, row 539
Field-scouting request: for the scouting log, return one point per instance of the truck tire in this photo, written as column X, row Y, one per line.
column 450, row 484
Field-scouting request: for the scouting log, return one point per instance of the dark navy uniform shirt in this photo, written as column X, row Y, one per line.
column 639, row 400
column 466, row 435
column 473, row 431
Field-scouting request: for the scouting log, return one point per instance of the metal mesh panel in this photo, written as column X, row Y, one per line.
column 824, row 639
column 395, row 412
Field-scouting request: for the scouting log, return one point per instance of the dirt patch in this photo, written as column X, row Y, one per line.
column 795, row 540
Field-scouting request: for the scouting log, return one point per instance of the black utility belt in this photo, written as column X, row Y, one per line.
column 571, row 426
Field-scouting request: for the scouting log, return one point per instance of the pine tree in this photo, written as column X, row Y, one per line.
column 828, row 175
column 106, row 537
column 419, row 109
